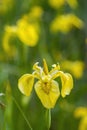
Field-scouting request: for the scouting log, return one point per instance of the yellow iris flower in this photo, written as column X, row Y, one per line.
column 72, row 3
column 56, row 3
column 64, row 23
column 59, row 3
column 27, row 29
column 81, row 112
column 27, row 32
column 35, row 13
column 10, row 32
column 5, row 6
column 47, row 89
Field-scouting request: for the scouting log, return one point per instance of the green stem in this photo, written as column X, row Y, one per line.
column 22, row 114
column 48, row 118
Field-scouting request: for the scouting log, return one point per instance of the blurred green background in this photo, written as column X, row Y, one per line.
column 28, row 36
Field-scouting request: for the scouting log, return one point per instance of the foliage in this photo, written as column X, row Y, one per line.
column 29, row 32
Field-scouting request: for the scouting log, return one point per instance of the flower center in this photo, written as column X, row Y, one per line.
column 46, row 86
column 46, row 83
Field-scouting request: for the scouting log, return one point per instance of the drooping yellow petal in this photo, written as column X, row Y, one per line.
column 25, row 84
column 67, row 83
column 47, row 98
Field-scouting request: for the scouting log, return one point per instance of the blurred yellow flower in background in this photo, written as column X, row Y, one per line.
column 86, row 41
column 72, row 3
column 47, row 89
column 26, row 29
column 75, row 67
column 64, row 23
column 5, row 5
column 36, row 12
column 59, row 3
column 81, row 112
column 27, row 32
column 9, row 48
column 56, row 3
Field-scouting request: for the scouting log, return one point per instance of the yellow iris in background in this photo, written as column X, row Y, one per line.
column 5, row 6
column 47, row 89
column 81, row 112
column 64, row 23
column 59, row 3
column 56, row 3
column 9, row 48
column 36, row 12
column 27, row 29
column 75, row 67
column 27, row 32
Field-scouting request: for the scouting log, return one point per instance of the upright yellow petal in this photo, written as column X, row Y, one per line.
column 45, row 67
column 25, row 84
column 47, row 98
column 67, row 83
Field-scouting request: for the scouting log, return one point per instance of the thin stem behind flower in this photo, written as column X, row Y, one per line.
column 25, row 118
column 48, row 118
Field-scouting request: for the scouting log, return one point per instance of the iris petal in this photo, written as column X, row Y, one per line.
column 25, row 84
column 67, row 83
column 48, row 99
